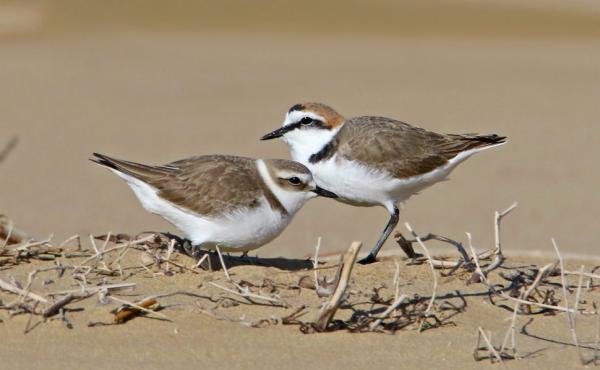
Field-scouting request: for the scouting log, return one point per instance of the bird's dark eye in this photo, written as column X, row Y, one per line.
column 306, row 121
column 294, row 181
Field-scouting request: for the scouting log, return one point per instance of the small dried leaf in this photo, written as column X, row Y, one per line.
column 125, row 313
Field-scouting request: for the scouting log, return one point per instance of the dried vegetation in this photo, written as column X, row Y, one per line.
column 48, row 281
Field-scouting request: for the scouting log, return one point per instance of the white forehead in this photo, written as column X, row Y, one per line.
column 296, row 115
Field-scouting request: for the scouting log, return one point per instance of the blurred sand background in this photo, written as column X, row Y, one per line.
column 155, row 81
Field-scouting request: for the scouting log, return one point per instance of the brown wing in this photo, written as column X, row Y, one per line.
column 207, row 185
column 212, row 184
column 402, row 149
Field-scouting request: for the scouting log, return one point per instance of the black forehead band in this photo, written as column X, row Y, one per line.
column 296, row 107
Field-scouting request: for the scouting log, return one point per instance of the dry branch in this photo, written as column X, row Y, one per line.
column 99, row 253
column 223, row 263
column 58, row 305
column 435, row 282
column 387, row 312
column 16, row 290
column 244, row 292
column 488, row 345
column 95, row 289
column 330, row 308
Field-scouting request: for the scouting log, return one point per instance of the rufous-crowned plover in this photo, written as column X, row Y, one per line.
column 235, row 203
column 369, row 161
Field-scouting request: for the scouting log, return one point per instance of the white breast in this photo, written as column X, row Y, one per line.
column 241, row 230
column 354, row 183
column 360, row 185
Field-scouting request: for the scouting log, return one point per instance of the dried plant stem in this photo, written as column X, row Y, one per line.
column 488, row 343
column 542, row 273
column 245, row 293
column 510, row 333
column 573, row 317
column 95, row 289
column 30, row 244
column 498, row 219
column 330, row 308
column 387, row 312
column 404, row 244
column 223, row 263
column 597, row 340
column 169, row 252
column 101, row 253
column 58, row 305
column 16, row 290
column 586, row 274
column 316, row 264
column 396, row 280
column 435, row 282
column 199, row 263
column 33, row 273
column 68, row 240
column 562, row 277
column 504, row 295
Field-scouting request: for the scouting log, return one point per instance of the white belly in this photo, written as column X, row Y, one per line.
column 357, row 184
column 241, row 230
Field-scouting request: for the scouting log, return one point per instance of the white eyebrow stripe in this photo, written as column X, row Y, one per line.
column 297, row 115
column 287, row 174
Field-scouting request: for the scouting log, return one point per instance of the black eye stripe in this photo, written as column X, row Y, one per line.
column 306, row 120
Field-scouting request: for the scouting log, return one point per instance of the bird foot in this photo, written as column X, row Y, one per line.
column 368, row 260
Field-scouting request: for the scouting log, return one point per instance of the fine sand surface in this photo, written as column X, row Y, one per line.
column 150, row 85
column 209, row 327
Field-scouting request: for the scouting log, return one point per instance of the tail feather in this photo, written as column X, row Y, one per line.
column 137, row 170
column 485, row 140
column 462, row 143
column 473, row 141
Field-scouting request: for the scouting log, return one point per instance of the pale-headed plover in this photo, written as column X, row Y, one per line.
column 369, row 161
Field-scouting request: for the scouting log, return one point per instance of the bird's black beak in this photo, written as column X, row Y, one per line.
column 324, row 193
column 279, row 132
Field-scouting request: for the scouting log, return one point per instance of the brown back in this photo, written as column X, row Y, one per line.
column 399, row 148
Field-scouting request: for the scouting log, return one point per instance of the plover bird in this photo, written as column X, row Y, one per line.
column 369, row 161
column 235, row 203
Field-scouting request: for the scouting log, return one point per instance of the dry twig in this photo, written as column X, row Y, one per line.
column 330, row 308
column 435, row 282
column 16, row 290
column 387, row 312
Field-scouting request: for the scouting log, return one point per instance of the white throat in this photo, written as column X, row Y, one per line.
column 306, row 142
column 292, row 201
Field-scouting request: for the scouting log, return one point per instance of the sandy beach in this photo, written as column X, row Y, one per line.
column 158, row 83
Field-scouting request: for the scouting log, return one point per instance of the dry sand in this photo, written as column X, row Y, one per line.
column 213, row 81
column 195, row 339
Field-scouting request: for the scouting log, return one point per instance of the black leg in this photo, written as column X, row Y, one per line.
column 372, row 257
